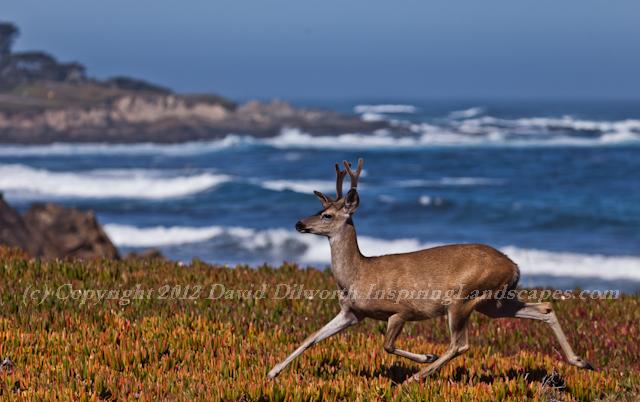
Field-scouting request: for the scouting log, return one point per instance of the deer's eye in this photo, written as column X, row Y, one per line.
column 327, row 216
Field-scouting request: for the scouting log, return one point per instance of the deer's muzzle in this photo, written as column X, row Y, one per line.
column 300, row 227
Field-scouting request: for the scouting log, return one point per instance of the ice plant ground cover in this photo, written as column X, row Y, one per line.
column 177, row 340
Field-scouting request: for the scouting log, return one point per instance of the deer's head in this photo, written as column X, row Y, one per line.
column 335, row 213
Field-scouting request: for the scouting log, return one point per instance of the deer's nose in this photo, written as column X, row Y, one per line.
column 300, row 226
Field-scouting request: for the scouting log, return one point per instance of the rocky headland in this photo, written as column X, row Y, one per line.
column 43, row 100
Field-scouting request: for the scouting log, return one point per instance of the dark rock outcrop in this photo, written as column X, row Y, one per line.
column 53, row 231
column 68, row 232
column 14, row 231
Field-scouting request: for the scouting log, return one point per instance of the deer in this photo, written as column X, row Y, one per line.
column 470, row 271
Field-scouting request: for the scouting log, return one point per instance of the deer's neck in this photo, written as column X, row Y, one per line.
column 345, row 256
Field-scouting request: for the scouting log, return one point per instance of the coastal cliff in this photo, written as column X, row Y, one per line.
column 135, row 117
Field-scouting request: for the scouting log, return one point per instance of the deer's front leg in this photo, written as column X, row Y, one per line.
column 394, row 326
column 342, row 321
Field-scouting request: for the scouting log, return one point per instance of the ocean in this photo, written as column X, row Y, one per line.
column 554, row 185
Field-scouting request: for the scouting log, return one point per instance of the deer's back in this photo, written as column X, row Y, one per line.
column 439, row 272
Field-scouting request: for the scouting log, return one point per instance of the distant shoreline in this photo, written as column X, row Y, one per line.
column 169, row 119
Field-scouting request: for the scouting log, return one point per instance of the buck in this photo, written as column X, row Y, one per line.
column 473, row 272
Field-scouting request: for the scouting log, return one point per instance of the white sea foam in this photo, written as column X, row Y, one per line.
column 287, row 244
column 131, row 236
column 467, row 113
column 545, row 124
column 544, row 262
column 426, row 200
column 372, row 117
column 27, row 181
column 432, row 136
column 389, row 108
column 468, row 134
column 452, row 182
column 620, row 137
column 293, row 138
column 569, row 122
column 143, row 148
column 299, row 186
column 468, row 131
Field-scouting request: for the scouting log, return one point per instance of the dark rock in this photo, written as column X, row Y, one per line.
column 53, row 231
column 14, row 231
column 69, row 232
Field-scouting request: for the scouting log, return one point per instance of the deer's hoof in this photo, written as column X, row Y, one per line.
column 583, row 364
column 274, row 372
column 417, row 377
column 429, row 358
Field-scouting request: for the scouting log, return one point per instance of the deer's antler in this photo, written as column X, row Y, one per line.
column 356, row 175
column 340, row 174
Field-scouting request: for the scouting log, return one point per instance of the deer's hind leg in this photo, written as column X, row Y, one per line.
column 534, row 311
column 394, row 327
column 458, row 316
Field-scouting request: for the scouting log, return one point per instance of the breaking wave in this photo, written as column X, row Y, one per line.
column 467, row 113
column 389, row 108
column 549, row 125
column 463, row 128
column 544, row 262
column 452, row 182
column 156, row 236
column 283, row 244
column 143, row 148
column 294, row 138
column 372, row 117
column 298, row 186
column 27, row 181
column 427, row 135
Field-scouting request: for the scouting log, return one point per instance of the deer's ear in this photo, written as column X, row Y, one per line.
column 352, row 201
column 323, row 198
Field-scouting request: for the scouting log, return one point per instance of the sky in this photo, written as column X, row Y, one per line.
column 349, row 49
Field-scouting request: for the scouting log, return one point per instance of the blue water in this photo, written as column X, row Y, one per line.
column 555, row 185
